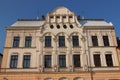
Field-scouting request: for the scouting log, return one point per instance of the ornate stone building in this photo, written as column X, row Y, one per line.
column 60, row 47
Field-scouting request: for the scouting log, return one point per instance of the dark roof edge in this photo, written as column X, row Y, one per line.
column 93, row 19
column 29, row 20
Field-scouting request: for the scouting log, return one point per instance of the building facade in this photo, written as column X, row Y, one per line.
column 60, row 47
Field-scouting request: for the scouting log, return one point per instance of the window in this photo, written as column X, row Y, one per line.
column 71, row 26
column 109, row 61
column 105, row 40
column 64, row 26
column 64, row 16
column 51, row 17
column 61, row 41
column 70, row 16
column 97, row 61
column 14, row 61
column 62, row 61
column 26, row 61
column 94, row 40
column 51, row 26
column 75, row 41
column 47, row 41
column 58, row 26
column 76, row 61
column 57, row 16
column 47, row 61
column 28, row 40
column 16, row 41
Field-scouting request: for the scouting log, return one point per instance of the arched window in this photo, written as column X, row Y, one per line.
column 58, row 26
column 77, row 78
column 51, row 26
column 48, row 79
column 64, row 26
column 63, row 78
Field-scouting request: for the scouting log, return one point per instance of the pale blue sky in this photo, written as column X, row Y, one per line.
column 11, row 10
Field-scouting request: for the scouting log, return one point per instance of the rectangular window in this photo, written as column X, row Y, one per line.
column 28, row 40
column 61, row 41
column 14, row 61
column 47, row 61
column 62, row 61
column 105, row 40
column 70, row 16
column 47, row 41
column 57, row 16
column 64, row 16
column 76, row 61
column 97, row 60
column 94, row 41
column 75, row 41
column 16, row 41
column 51, row 16
column 109, row 61
column 26, row 61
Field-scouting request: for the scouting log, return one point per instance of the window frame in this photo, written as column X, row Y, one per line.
column 94, row 41
column 109, row 60
column 14, row 61
column 106, row 41
column 16, row 41
column 47, row 61
column 62, row 61
column 27, row 60
column 48, row 41
column 97, row 60
column 76, row 60
column 61, row 41
column 75, row 41
column 28, row 41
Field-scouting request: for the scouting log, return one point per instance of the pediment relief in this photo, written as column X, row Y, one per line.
column 61, row 11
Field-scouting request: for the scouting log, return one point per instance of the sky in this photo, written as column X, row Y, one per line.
column 11, row 10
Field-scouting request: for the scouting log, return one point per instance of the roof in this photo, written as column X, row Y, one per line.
column 84, row 22
column 94, row 22
column 28, row 23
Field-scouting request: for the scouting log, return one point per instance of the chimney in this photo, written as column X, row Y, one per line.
column 43, row 18
column 78, row 18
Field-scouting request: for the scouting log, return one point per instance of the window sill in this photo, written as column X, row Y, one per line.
column 48, row 47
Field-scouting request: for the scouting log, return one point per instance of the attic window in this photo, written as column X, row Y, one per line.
column 64, row 16
column 51, row 16
column 71, row 26
column 70, row 16
column 58, row 26
column 64, row 26
column 51, row 26
column 57, row 16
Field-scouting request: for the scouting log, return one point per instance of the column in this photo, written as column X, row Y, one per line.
column 41, row 55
